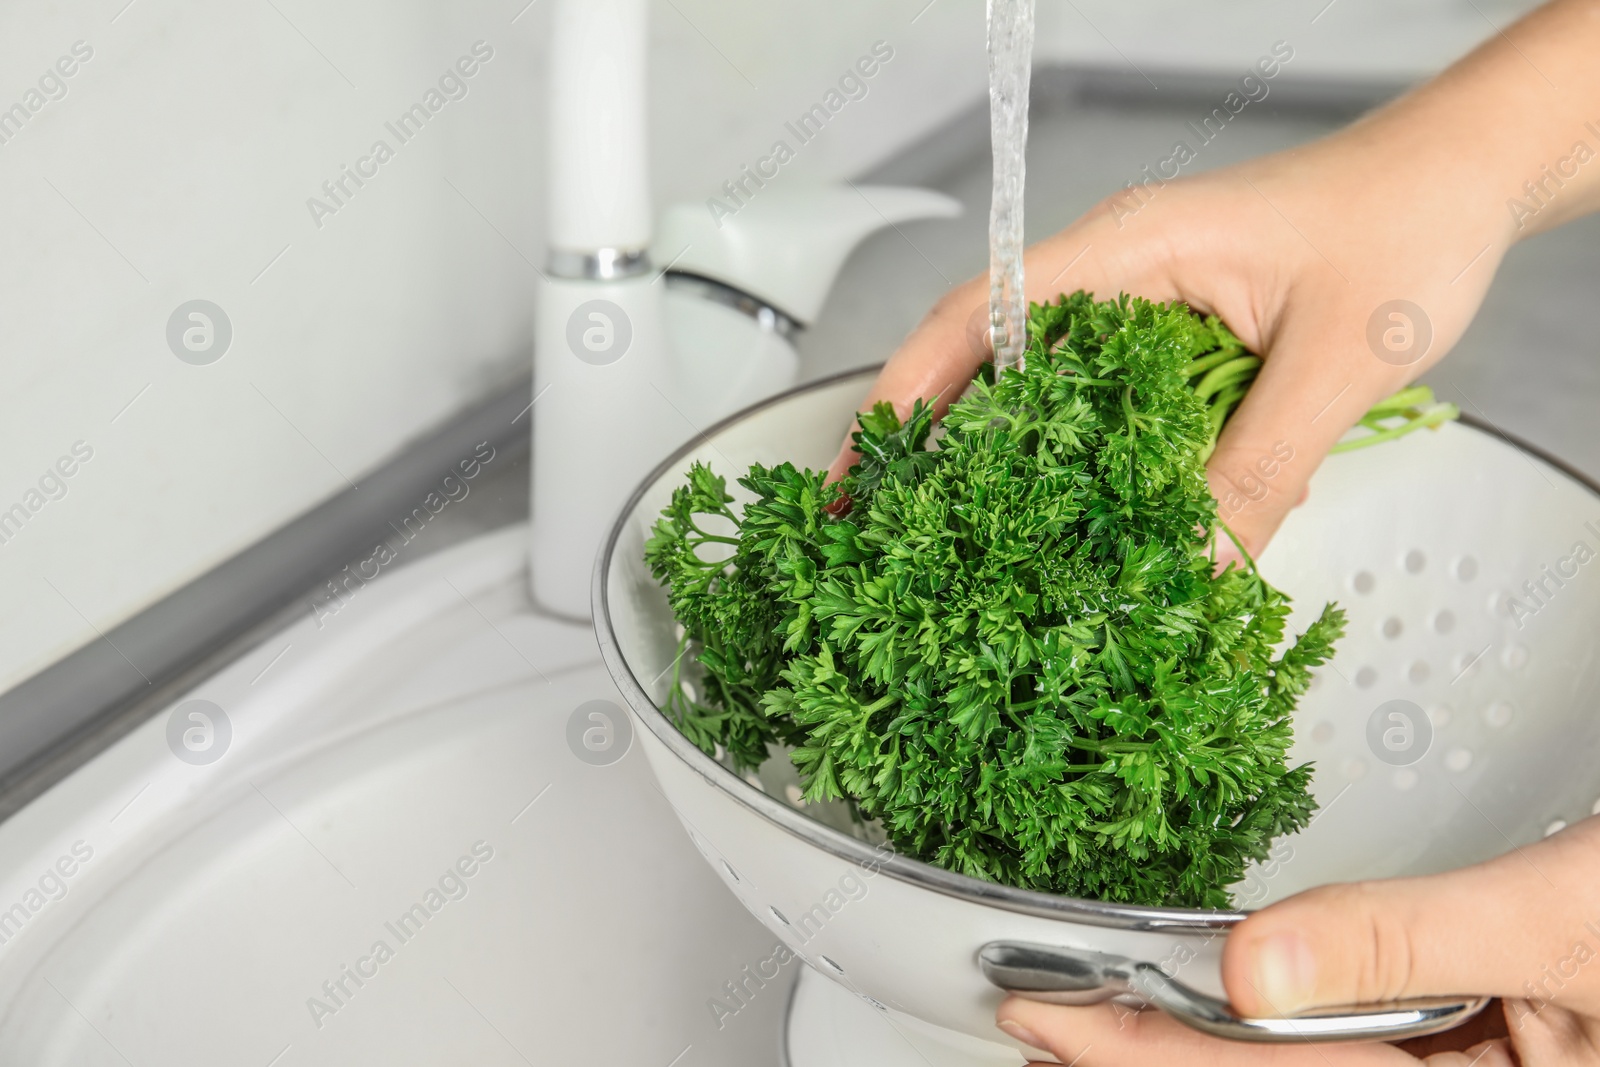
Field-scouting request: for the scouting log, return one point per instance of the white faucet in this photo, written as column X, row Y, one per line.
column 642, row 340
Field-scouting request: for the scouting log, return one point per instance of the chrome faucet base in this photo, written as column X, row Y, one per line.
column 599, row 264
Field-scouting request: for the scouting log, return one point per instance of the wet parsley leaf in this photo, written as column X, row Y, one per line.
column 1012, row 650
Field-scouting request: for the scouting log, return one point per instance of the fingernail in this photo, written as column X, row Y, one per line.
column 841, row 506
column 1022, row 1034
column 1285, row 973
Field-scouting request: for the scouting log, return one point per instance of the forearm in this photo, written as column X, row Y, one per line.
column 1510, row 133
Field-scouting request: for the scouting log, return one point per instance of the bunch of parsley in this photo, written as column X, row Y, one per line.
column 1013, row 651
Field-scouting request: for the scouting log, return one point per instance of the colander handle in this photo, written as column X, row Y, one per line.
column 1080, row 976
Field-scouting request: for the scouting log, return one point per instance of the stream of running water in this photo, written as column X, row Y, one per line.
column 1010, row 65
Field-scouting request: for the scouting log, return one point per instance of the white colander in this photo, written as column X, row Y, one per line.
column 1452, row 721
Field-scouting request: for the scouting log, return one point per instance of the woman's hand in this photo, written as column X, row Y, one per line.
column 1524, row 927
column 1296, row 253
column 1351, row 264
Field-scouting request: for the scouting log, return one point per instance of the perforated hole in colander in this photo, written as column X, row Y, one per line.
column 1466, row 662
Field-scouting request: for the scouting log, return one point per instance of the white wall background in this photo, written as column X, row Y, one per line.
column 178, row 164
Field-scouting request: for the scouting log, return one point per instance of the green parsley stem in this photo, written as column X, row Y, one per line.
column 1434, row 416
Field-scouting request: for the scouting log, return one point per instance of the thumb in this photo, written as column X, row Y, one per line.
column 1501, row 928
column 935, row 363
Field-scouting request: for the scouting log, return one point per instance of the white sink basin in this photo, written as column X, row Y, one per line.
column 398, row 859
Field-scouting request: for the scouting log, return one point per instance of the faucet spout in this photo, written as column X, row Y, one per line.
column 786, row 247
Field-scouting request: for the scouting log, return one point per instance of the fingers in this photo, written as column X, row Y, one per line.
column 1521, row 926
column 1496, row 1053
column 1110, row 1035
column 940, row 357
column 1311, row 389
column 1547, row 1034
column 1487, row 1026
column 1517, row 926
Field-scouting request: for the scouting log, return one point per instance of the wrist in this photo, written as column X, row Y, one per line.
column 1429, row 158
